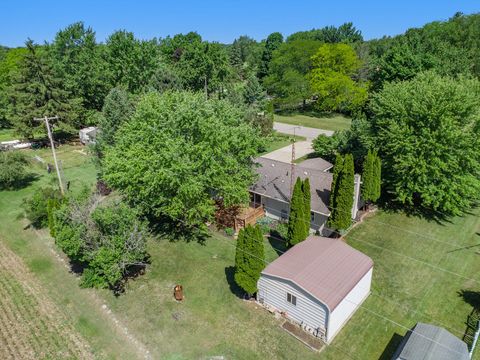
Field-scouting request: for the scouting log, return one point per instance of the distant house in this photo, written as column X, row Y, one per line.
column 272, row 189
column 88, row 135
column 427, row 341
column 319, row 284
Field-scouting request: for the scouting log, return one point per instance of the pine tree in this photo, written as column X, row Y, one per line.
column 296, row 221
column 337, row 171
column 343, row 195
column 307, row 207
column 38, row 93
column 249, row 258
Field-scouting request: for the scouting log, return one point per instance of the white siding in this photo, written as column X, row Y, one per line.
column 308, row 311
column 347, row 307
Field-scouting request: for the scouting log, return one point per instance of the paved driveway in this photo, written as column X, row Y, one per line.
column 309, row 133
column 284, row 154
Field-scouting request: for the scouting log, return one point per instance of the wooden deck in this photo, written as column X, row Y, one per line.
column 249, row 216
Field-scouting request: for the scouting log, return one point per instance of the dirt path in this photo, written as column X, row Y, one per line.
column 31, row 326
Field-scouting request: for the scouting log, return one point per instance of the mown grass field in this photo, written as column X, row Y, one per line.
column 213, row 320
column 280, row 140
column 332, row 122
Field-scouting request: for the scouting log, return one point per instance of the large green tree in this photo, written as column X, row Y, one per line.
column 288, row 68
column 371, row 177
column 37, row 92
column 332, row 78
column 341, row 196
column 179, row 152
column 249, row 258
column 345, row 33
column 307, row 197
column 428, row 134
column 274, row 40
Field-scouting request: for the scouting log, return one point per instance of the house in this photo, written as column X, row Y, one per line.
column 273, row 187
column 425, row 341
column 88, row 135
column 318, row 284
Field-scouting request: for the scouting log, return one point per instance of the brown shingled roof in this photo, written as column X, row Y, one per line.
column 326, row 268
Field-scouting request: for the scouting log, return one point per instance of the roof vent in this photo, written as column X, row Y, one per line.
column 305, row 173
column 273, row 164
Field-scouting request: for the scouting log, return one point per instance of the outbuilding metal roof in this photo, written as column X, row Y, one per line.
column 326, row 268
column 430, row 342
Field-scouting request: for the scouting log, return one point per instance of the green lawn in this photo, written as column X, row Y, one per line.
column 408, row 291
column 214, row 321
column 279, row 140
column 332, row 122
column 7, row 134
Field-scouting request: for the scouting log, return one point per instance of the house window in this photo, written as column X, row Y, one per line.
column 292, row 299
column 284, row 214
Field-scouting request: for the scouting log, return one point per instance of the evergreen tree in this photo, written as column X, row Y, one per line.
column 38, row 93
column 337, row 171
column 274, row 40
column 377, row 175
column 342, row 213
column 307, row 208
column 249, row 258
column 296, row 221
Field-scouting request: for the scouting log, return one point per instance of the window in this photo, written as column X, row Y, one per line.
column 284, row 214
column 291, row 299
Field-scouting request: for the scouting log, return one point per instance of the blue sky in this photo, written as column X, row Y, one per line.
column 218, row 20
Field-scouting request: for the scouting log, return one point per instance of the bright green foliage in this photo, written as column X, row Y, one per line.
column 131, row 63
column 331, row 79
column 341, row 196
column 345, row 33
column 117, row 108
column 108, row 239
column 179, row 152
column 249, row 258
column 13, row 169
column 296, row 221
column 274, row 40
column 371, row 177
column 165, row 78
column 76, row 60
column 38, row 206
column 254, row 93
column 52, row 205
column 37, row 92
column 245, row 55
column 307, row 197
column 428, row 134
column 326, row 146
column 288, row 68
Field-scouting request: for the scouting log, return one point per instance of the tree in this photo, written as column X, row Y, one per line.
column 296, row 220
column 106, row 236
column 326, row 146
column 37, row 207
column 76, row 60
column 341, row 196
column 179, row 152
column 345, row 33
column 371, row 177
column 274, row 40
column 249, row 258
column 37, row 93
column 331, row 79
column 14, row 172
column 307, row 205
column 288, row 68
column 245, row 55
column 165, row 78
column 428, row 135
column 117, row 108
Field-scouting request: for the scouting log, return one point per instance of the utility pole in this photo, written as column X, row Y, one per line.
column 292, row 170
column 47, row 124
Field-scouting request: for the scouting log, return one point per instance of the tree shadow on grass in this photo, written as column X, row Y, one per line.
column 27, row 180
column 277, row 242
column 391, row 347
column 471, row 297
column 234, row 288
column 166, row 228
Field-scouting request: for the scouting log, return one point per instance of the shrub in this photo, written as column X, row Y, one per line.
column 13, row 169
column 281, row 230
column 39, row 208
column 229, row 231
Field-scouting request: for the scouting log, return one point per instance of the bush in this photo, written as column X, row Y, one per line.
column 13, row 169
column 39, row 208
column 281, row 230
column 229, row 231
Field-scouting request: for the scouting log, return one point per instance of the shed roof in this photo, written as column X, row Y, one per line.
column 316, row 164
column 430, row 342
column 326, row 268
column 275, row 176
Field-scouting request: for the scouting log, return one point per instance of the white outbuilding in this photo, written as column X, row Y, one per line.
column 318, row 284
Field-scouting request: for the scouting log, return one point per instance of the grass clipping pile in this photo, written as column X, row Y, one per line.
column 31, row 326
